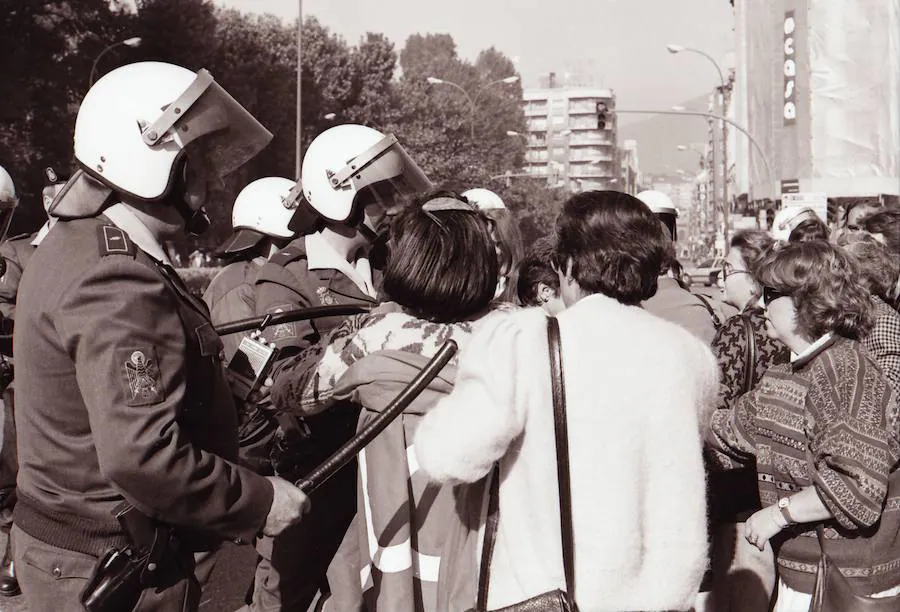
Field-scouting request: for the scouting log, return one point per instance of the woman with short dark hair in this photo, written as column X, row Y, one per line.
column 441, row 276
column 634, row 449
column 538, row 284
column 809, row 229
column 823, row 430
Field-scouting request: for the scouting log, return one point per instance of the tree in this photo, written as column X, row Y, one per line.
column 534, row 203
column 181, row 32
column 47, row 48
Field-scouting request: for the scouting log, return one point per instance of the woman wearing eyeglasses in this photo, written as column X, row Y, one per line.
column 823, row 431
column 743, row 575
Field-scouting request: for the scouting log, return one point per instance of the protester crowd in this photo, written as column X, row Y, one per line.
column 601, row 438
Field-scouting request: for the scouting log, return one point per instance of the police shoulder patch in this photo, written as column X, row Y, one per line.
column 141, row 377
column 112, row 240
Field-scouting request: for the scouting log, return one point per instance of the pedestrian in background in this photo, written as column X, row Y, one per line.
column 510, row 247
column 878, row 274
column 743, row 576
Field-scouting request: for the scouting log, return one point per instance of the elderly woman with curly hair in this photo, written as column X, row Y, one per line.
column 743, row 576
column 823, row 431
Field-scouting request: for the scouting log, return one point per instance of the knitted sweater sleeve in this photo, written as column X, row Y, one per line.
column 729, row 437
column 472, row 428
column 853, row 439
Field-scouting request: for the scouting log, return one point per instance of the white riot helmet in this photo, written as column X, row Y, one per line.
column 263, row 208
column 484, row 199
column 8, row 201
column 352, row 169
column 661, row 205
column 787, row 219
column 136, row 126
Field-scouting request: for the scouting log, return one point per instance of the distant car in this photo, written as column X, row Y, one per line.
column 707, row 272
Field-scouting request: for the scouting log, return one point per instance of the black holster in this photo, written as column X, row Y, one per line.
column 123, row 573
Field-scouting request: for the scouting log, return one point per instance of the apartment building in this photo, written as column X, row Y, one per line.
column 569, row 142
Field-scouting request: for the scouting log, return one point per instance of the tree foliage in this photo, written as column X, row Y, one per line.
column 49, row 48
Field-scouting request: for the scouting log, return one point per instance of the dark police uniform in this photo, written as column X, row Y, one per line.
column 16, row 252
column 121, row 395
column 294, row 564
column 231, row 296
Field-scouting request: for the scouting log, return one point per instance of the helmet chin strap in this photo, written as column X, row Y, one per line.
column 195, row 221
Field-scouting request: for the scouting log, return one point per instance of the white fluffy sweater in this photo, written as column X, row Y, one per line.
column 636, row 389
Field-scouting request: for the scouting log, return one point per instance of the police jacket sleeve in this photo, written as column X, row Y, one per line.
column 9, row 282
column 121, row 326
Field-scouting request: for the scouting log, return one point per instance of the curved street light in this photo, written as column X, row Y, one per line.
column 687, row 148
column 472, row 99
column 673, row 49
column 726, row 205
column 128, row 42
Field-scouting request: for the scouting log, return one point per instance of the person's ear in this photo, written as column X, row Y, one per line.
column 545, row 292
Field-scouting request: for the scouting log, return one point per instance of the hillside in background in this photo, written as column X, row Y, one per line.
column 658, row 137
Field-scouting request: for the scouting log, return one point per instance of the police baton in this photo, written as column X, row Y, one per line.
column 299, row 314
column 345, row 453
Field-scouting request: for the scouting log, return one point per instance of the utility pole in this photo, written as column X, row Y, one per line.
column 297, row 153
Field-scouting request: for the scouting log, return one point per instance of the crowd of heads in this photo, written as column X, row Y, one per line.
column 830, row 276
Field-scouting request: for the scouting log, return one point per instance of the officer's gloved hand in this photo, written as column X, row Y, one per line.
column 289, row 504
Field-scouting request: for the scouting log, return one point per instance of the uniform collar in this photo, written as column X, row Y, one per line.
column 42, row 233
column 320, row 255
column 123, row 218
column 798, row 361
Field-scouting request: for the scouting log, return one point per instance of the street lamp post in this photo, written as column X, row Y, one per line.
column 693, row 150
column 737, row 126
column 299, row 133
column 472, row 99
column 721, row 103
column 128, row 42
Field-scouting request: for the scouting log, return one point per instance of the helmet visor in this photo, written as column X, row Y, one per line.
column 7, row 208
column 207, row 115
column 383, row 177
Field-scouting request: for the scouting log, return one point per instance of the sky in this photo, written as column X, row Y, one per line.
column 621, row 43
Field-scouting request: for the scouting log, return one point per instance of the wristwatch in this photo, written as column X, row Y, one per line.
column 783, row 505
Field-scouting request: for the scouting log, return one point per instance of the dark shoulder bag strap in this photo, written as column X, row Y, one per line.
column 749, row 354
column 562, row 457
column 562, row 471
column 490, row 535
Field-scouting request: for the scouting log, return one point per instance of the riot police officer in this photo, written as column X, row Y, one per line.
column 15, row 253
column 260, row 217
column 122, row 399
column 353, row 178
column 8, row 276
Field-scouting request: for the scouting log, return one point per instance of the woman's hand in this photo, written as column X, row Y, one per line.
column 763, row 525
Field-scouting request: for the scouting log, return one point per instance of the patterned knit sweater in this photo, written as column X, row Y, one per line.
column 830, row 422
column 306, row 384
